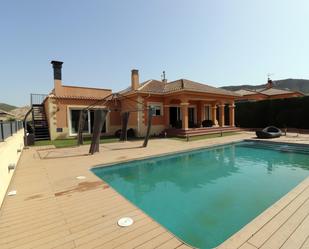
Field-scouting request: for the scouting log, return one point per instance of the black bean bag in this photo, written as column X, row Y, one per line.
column 269, row 132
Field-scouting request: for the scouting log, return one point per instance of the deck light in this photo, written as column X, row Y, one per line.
column 12, row 192
column 11, row 166
column 80, row 177
column 125, row 222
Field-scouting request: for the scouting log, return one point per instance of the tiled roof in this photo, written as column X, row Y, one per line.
column 266, row 91
column 159, row 87
column 75, row 97
column 275, row 91
column 246, row 92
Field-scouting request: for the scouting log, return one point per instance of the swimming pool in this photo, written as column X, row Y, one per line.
column 207, row 195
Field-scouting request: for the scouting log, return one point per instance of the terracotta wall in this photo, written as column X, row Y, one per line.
column 82, row 91
column 156, row 120
column 62, row 109
column 130, row 104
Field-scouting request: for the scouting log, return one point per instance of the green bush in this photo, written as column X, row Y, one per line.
column 292, row 113
column 207, row 123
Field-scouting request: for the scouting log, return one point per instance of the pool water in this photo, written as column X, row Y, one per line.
column 205, row 196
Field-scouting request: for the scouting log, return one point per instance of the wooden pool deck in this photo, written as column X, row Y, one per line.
column 53, row 209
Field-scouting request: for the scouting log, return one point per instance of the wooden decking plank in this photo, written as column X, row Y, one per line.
column 38, row 242
column 14, row 236
column 21, row 217
column 284, row 232
column 145, row 237
column 79, row 226
column 21, row 227
column 117, row 235
column 34, row 236
column 184, row 246
column 128, row 236
column 68, row 245
column 83, row 209
column 298, row 238
column 306, row 244
column 96, row 230
column 157, row 241
column 74, row 198
column 30, row 219
column 247, row 246
column 259, row 238
column 100, row 212
column 172, row 243
column 79, row 219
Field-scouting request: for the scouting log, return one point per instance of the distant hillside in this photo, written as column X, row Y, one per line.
column 6, row 107
column 291, row 84
column 21, row 112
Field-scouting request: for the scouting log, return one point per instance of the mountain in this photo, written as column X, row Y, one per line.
column 6, row 107
column 290, row 84
column 20, row 112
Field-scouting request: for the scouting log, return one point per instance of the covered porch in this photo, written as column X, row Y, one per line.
column 185, row 112
column 193, row 113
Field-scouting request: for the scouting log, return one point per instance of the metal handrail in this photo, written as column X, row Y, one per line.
column 37, row 99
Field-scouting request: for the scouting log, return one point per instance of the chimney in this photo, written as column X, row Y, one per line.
column 57, row 65
column 134, row 79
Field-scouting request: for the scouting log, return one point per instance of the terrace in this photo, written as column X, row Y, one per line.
column 53, row 209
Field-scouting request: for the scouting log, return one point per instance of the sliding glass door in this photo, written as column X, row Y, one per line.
column 74, row 114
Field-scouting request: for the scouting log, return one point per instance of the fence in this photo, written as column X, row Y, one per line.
column 8, row 128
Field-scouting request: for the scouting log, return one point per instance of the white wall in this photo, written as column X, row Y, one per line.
column 9, row 154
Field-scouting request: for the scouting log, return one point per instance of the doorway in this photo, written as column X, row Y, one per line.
column 175, row 117
column 191, row 114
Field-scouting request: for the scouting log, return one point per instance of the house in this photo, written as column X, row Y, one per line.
column 269, row 92
column 179, row 105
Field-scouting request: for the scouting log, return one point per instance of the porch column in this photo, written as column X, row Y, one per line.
column 221, row 115
column 167, row 116
column 214, row 114
column 185, row 116
column 202, row 113
column 232, row 114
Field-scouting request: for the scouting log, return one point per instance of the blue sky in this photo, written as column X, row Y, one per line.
column 220, row 42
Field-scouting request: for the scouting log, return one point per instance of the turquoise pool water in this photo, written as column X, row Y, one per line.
column 205, row 196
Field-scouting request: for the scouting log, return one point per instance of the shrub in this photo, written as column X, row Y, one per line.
column 178, row 124
column 292, row 112
column 130, row 133
column 207, row 123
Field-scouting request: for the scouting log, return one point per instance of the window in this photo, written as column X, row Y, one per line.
column 74, row 118
column 88, row 127
column 207, row 112
column 156, row 110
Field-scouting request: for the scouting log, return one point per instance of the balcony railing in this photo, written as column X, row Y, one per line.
column 37, row 99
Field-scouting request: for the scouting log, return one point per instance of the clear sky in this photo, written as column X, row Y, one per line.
column 218, row 42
